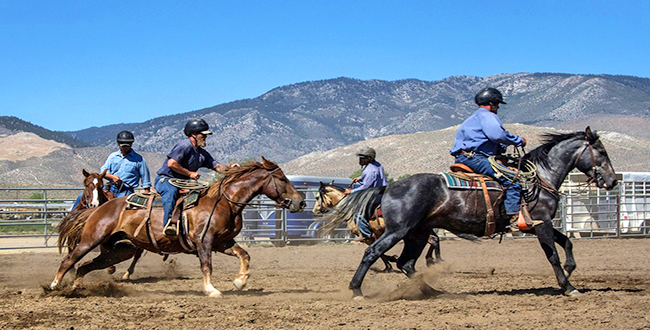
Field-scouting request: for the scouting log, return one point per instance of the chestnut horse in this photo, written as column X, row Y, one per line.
column 92, row 196
column 212, row 225
column 329, row 195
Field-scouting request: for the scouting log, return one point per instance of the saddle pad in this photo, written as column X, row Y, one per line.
column 140, row 201
column 454, row 181
column 191, row 199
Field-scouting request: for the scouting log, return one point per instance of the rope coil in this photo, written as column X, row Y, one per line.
column 188, row 184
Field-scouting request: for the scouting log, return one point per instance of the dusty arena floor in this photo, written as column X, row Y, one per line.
column 486, row 286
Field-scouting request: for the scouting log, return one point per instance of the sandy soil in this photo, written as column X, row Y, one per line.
column 486, row 285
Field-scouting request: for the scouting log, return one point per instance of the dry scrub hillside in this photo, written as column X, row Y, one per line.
column 429, row 152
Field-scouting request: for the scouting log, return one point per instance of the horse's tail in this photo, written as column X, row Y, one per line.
column 348, row 207
column 70, row 228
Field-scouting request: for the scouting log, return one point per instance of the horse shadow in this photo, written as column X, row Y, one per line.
column 547, row 291
column 153, row 279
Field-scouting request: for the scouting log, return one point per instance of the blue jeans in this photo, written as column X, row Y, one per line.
column 120, row 191
column 480, row 164
column 76, row 202
column 168, row 195
column 363, row 224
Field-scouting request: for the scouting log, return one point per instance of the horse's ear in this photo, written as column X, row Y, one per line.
column 264, row 161
column 321, row 184
column 331, row 183
column 86, row 174
column 589, row 134
column 103, row 173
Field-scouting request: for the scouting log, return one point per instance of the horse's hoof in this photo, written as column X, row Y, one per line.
column 126, row 276
column 358, row 298
column 54, row 285
column 573, row 293
column 239, row 284
column 111, row 270
column 215, row 294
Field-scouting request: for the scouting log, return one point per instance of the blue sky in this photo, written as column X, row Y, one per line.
column 69, row 65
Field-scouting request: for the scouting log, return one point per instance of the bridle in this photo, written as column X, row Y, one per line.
column 594, row 168
column 286, row 202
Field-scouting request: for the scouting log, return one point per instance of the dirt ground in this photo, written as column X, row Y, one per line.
column 485, row 285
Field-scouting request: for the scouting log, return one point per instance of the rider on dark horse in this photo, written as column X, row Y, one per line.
column 482, row 135
column 372, row 176
column 183, row 162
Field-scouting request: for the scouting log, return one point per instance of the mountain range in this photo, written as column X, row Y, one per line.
column 290, row 121
column 313, row 117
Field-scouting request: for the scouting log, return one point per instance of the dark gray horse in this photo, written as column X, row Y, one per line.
column 413, row 206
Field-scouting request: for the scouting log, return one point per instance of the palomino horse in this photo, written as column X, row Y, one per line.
column 212, row 225
column 413, row 206
column 329, row 195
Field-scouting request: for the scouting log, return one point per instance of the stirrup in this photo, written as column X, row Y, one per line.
column 170, row 229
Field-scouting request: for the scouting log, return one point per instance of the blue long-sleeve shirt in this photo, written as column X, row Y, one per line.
column 372, row 176
column 130, row 168
column 483, row 133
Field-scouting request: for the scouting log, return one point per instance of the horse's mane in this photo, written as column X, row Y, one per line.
column 235, row 173
column 335, row 187
column 539, row 155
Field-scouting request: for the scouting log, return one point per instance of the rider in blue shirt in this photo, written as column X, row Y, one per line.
column 183, row 162
column 482, row 135
column 372, row 176
column 125, row 169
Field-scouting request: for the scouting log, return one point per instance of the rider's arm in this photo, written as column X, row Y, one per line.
column 175, row 166
column 493, row 129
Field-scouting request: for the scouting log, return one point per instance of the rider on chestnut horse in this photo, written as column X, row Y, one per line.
column 182, row 162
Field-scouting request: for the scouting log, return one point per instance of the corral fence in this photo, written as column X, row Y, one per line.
column 28, row 216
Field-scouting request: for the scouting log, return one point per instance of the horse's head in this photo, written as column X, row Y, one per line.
column 93, row 188
column 328, row 196
column 281, row 190
column 592, row 160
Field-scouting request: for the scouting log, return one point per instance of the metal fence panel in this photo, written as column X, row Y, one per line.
column 28, row 216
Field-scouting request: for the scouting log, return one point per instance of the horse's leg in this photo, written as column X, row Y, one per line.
column 387, row 266
column 384, row 243
column 434, row 241
column 110, row 255
column 231, row 248
column 131, row 270
column 204, row 252
column 70, row 260
column 545, row 236
column 413, row 246
column 565, row 243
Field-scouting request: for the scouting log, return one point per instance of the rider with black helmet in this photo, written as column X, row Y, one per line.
column 482, row 135
column 183, row 162
column 125, row 168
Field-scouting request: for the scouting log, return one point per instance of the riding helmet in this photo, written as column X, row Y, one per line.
column 488, row 95
column 367, row 152
column 196, row 126
column 125, row 137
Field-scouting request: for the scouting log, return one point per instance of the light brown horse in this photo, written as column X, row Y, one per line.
column 330, row 195
column 212, row 225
